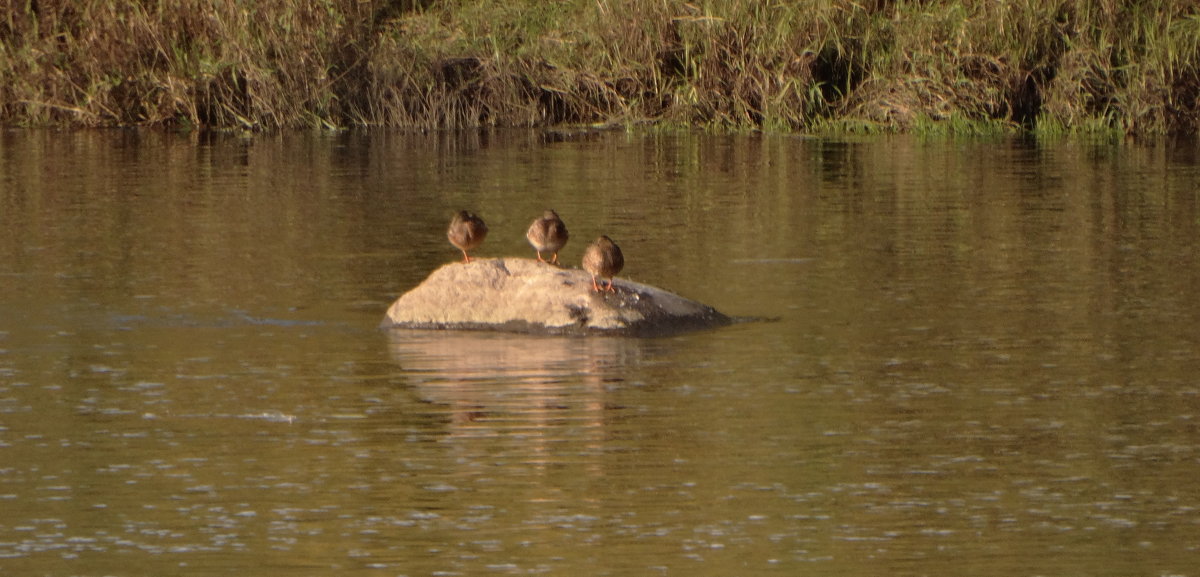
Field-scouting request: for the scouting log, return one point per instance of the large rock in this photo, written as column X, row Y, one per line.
column 524, row 295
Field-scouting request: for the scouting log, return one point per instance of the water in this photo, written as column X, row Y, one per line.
column 984, row 361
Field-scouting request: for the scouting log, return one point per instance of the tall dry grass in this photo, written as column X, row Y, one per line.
column 809, row 65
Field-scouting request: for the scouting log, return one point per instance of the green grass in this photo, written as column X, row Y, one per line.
column 820, row 66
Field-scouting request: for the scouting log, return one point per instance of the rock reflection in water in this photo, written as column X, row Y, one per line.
column 542, row 389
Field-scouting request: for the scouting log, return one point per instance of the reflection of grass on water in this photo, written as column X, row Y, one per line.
column 819, row 65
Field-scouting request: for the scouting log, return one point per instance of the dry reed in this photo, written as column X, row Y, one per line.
column 815, row 65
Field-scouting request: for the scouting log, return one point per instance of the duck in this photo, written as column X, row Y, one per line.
column 548, row 234
column 466, row 232
column 603, row 258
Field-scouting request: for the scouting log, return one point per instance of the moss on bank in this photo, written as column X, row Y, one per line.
column 815, row 65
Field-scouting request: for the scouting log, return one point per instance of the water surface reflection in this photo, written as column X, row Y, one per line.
column 985, row 358
column 494, row 385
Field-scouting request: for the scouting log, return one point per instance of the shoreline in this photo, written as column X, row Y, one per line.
column 826, row 67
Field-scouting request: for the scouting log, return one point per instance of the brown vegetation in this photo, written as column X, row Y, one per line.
column 942, row 65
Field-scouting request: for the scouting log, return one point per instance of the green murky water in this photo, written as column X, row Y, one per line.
column 986, row 360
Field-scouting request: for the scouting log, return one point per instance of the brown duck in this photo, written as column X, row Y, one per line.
column 548, row 234
column 603, row 259
column 466, row 232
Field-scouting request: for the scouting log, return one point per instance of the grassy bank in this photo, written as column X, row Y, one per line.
column 811, row 65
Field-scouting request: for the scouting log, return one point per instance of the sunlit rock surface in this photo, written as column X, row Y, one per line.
column 524, row 295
